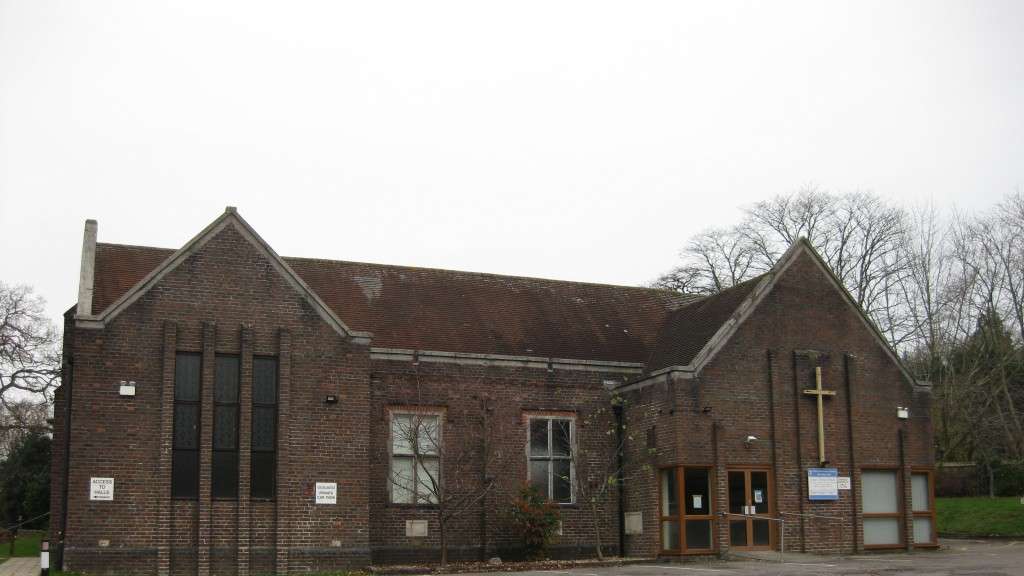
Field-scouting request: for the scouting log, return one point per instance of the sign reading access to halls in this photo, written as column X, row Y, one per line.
column 822, row 484
column 101, row 489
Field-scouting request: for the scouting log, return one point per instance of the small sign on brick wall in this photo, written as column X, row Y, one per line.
column 416, row 528
column 101, row 489
column 326, row 492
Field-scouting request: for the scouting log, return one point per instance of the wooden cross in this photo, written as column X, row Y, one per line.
column 817, row 391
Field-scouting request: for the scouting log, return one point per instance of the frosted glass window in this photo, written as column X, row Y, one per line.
column 880, row 493
column 881, row 531
column 669, row 493
column 923, row 530
column 920, row 494
column 670, row 535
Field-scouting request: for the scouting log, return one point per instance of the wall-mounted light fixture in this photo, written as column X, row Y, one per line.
column 749, row 440
column 902, row 413
column 331, row 399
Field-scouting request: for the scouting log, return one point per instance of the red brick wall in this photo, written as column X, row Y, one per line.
column 227, row 298
column 225, row 289
column 461, row 390
column 753, row 387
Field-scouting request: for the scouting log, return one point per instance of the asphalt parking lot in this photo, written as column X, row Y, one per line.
column 956, row 557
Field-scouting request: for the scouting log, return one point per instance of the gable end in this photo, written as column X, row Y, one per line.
column 233, row 219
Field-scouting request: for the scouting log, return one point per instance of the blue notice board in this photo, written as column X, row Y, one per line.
column 822, row 484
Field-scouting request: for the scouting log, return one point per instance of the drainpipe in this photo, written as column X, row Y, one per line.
column 62, row 535
column 617, row 409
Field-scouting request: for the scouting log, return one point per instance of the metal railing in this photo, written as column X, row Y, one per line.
column 782, row 529
column 13, row 529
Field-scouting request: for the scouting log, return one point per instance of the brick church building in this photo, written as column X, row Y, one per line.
column 225, row 410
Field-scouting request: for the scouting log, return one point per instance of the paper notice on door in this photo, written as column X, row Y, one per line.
column 698, row 500
column 758, row 497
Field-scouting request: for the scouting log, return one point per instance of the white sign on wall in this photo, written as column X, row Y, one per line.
column 822, row 484
column 101, row 489
column 844, row 482
column 326, row 493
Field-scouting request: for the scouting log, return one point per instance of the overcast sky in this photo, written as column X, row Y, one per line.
column 575, row 140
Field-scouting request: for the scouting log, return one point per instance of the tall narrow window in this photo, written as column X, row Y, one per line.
column 923, row 507
column 880, row 504
column 224, row 481
column 415, row 458
column 264, row 427
column 185, row 445
column 551, row 457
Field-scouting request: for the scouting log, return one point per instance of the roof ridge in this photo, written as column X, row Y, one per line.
column 451, row 270
column 120, row 245
column 704, row 297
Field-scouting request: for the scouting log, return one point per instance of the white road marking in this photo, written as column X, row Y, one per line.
column 804, row 564
column 683, row 568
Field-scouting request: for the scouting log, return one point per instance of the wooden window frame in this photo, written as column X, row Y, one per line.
column 682, row 516
column 551, row 458
column 433, row 412
column 898, row 515
column 930, row 473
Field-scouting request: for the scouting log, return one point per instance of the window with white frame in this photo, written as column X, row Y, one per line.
column 415, row 457
column 550, row 456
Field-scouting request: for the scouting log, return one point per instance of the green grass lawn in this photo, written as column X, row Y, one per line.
column 27, row 544
column 980, row 516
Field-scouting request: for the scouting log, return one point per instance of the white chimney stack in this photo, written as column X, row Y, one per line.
column 88, row 270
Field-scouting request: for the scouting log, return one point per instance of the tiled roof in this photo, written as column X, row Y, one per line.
column 431, row 309
column 688, row 329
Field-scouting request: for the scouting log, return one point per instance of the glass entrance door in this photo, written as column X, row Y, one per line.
column 749, row 495
column 687, row 514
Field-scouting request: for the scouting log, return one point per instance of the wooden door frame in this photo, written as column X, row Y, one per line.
column 748, row 495
column 682, row 517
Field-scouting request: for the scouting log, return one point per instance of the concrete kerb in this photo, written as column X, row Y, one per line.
column 540, row 565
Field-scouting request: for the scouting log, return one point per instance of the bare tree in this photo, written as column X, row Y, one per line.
column 964, row 291
column 21, row 417
column 29, row 355
column 772, row 225
column 453, row 477
column 714, row 260
column 597, row 465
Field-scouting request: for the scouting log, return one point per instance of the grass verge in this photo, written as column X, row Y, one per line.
column 27, row 544
column 980, row 516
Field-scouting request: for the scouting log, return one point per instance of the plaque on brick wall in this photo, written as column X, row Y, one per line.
column 326, row 493
column 634, row 523
column 822, row 484
column 101, row 489
column 416, row 528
